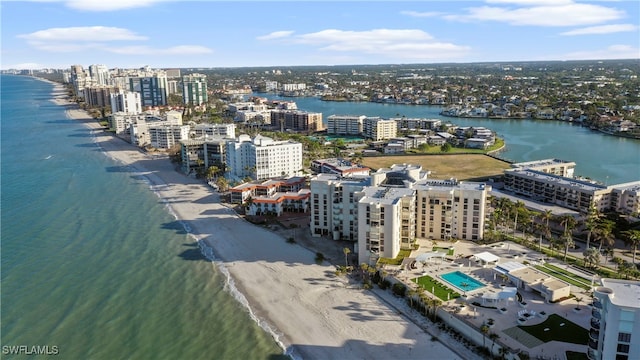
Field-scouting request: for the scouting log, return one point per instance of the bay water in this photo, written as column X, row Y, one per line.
column 94, row 265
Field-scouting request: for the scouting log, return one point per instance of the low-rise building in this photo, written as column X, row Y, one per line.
column 339, row 167
column 345, row 124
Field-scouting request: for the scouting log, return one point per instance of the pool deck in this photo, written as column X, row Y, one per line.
column 477, row 316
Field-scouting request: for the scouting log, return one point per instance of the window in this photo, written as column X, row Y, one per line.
column 624, row 337
column 623, row 348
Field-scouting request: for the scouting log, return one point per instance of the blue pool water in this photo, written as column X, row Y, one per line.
column 459, row 280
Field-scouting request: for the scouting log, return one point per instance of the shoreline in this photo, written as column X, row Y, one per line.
column 309, row 311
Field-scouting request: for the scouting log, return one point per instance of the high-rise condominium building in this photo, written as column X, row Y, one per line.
column 615, row 321
column 152, row 89
column 263, row 158
column 194, row 89
column 127, row 102
column 100, row 74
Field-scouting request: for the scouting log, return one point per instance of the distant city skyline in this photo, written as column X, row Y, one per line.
column 202, row 34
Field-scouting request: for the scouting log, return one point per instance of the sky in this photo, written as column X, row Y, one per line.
column 203, row 34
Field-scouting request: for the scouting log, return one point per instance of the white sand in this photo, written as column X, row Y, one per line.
column 314, row 314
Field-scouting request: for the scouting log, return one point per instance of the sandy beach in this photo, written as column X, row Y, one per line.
column 310, row 311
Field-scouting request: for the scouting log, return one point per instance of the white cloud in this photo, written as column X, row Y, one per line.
column 86, row 33
column 565, row 13
column 392, row 43
column 275, row 35
column 611, row 52
column 174, row 50
column 419, row 14
column 531, row 2
column 104, row 5
column 604, row 29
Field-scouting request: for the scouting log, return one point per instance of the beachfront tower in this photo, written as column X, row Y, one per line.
column 334, row 205
column 385, row 215
column 448, row 209
column 152, row 89
column 128, row 102
column 263, row 158
column 194, row 89
column 615, row 321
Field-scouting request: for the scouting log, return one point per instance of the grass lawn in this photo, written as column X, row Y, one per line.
column 397, row 260
column 563, row 275
column 439, row 290
column 461, row 167
column 443, row 249
column 569, row 332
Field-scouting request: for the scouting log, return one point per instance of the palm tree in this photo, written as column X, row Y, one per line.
column 493, row 337
column 632, row 238
column 346, row 252
column 546, row 216
column 591, row 222
column 569, row 223
column 517, row 208
column 591, row 257
column 484, row 329
column 604, row 233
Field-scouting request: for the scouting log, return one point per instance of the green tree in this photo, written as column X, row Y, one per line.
column 591, row 222
column 346, row 252
column 569, row 223
column 591, row 257
column 484, row 329
column 446, row 147
column 632, row 238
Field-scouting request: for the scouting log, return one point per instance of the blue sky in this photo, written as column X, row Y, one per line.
column 164, row 33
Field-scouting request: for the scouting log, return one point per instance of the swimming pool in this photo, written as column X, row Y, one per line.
column 462, row 281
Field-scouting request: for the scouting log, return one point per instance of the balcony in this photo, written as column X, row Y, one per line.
column 595, row 313
column 594, row 334
column 592, row 354
column 595, row 324
column 597, row 304
column 593, row 344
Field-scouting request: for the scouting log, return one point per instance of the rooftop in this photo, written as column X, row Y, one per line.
column 625, row 292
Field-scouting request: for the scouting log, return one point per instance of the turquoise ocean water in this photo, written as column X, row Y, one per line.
column 92, row 262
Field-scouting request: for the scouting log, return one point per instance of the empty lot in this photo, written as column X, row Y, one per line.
column 461, row 167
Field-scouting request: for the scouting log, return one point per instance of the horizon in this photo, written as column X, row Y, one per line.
column 244, row 34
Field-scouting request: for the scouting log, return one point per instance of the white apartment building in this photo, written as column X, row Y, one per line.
column 120, row 122
column 128, row 102
column 450, row 209
column 334, row 205
column 615, row 321
column 549, row 166
column 220, row 130
column 625, row 198
column 100, row 74
column 378, row 129
column 386, row 222
column 345, row 124
column 263, row 158
column 293, row 87
column 563, row 191
column 165, row 136
column 402, row 205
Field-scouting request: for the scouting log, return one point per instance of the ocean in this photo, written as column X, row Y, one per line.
column 94, row 265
